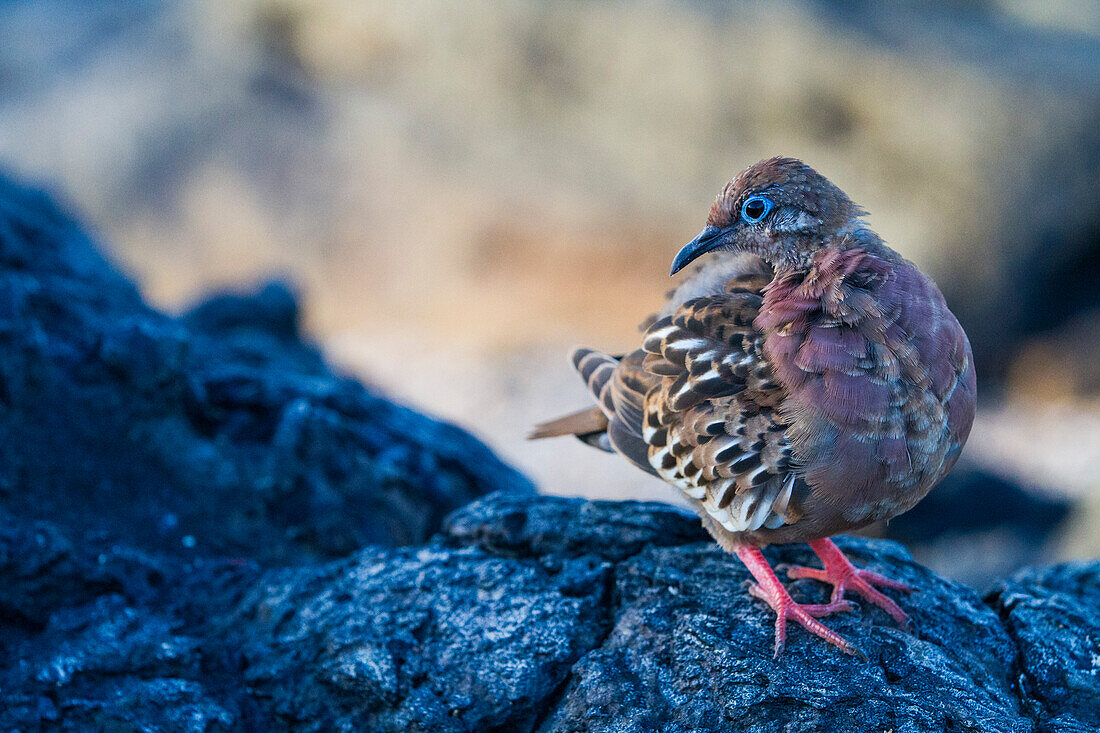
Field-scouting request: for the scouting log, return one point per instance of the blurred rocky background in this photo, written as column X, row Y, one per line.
column 463, row 191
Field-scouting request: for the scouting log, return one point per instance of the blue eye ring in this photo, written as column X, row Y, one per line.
column 755, row 209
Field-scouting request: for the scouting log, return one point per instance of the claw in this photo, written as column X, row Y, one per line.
column 843, row 576
column 771, row 591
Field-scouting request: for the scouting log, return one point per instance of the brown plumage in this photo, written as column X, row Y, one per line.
column 804, row 380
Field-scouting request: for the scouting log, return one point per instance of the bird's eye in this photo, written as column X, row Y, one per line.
column 755, row 209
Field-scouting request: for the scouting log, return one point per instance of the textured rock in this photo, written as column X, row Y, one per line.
column 220, row 432
column 1053, row 614
column 108, row 666
column 476, row 631
column 691, row 651
column 525, row 615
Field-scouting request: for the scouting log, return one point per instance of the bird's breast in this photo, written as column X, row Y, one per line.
column 879, row 380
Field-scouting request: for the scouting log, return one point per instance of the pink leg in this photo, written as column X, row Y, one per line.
column 768, row 589
column 842, row 575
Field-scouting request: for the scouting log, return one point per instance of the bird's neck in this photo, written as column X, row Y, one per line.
column 802, row 253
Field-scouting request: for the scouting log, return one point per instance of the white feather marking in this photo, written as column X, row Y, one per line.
column 600, row 374
column 720, row 515
column 602, row 368
column 695, row 492
column 763, row 511
column 720, row 489
column 751, row 476
column 686, row 344
column 707, row 375
column 658, row 335
column 655, row 459
column 687, row 389
column 662, row 331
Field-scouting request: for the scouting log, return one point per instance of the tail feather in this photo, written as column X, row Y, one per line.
column 590, row 425
column 580, row 423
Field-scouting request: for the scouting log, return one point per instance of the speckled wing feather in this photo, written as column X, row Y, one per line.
column 619, row 385
column 710, row 424
column 697, row 405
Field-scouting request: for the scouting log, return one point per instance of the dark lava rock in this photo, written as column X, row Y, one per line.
column 202, row 528
column 977, row 527
column 1053, row 615
column 525, row 615
column 220, row 432
column 476, row 631
column 108, row 666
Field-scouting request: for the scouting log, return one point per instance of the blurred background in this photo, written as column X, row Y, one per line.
column 463, row 191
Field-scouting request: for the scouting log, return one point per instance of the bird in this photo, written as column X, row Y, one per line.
column 804, row 380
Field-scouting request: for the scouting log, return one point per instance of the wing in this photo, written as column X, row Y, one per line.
column 710, row 424
column 696, row 404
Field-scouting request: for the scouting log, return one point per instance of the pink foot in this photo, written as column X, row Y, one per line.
column 768, row 589
column 842, row 575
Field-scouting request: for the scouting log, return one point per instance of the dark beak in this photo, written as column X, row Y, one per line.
column 710, row 238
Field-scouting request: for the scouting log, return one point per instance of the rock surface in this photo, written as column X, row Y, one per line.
column 203, row 529
column 543, row 614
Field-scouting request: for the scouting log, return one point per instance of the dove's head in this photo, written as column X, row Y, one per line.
column 780, row 209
